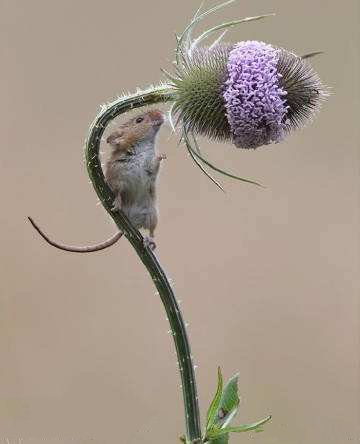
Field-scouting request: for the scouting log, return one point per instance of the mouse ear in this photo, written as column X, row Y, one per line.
column 115, row 138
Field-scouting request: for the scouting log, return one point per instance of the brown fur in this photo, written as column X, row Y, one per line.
column 133, row 167
column 131, row 173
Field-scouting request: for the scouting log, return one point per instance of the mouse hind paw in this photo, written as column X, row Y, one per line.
column 116, row 204
column 149, row 243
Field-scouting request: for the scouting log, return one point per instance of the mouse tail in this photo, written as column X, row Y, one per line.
column 73, row 248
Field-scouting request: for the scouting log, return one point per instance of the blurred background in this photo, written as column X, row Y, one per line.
column 268, row 278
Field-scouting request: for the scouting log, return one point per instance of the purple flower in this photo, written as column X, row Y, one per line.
column 251, row 93
column 254, row 99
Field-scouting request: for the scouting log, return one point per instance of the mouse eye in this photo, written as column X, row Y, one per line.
column 139, row 119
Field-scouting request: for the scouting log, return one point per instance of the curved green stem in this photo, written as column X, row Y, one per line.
column 108, row 112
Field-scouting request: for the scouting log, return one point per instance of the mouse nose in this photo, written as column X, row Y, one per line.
column 157, row 117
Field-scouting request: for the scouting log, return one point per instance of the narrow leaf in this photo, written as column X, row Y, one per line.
column 215, row 8
column 215, row 433
column 223, row 439
column 198, row 17
column 196, row 144
column 211, row 414
column 218, row 40
column 229, row 403
column 226, row 25
column 196, row 161
column 225, row 173
column 188, row 37
column 311, row 54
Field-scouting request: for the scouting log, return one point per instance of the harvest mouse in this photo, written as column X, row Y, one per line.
column 131, row 172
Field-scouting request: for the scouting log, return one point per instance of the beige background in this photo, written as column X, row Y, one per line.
column 268, row 278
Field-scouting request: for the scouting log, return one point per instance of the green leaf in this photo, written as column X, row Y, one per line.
column 211, row 414
column 311, row 54
column 217, row 432
column 226, row 25
column 229, row 402
column 196, row 161
column 197, row 13
column 219, row 170
column 224, row 439
column 185, row 36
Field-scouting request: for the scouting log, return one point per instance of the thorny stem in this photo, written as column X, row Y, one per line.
column 163, row 93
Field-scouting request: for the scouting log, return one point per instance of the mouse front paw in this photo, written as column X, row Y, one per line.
column 161, row 157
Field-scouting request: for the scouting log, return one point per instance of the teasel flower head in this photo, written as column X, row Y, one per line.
column 250, row 93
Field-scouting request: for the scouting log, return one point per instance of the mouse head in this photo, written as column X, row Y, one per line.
column 141, row 128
